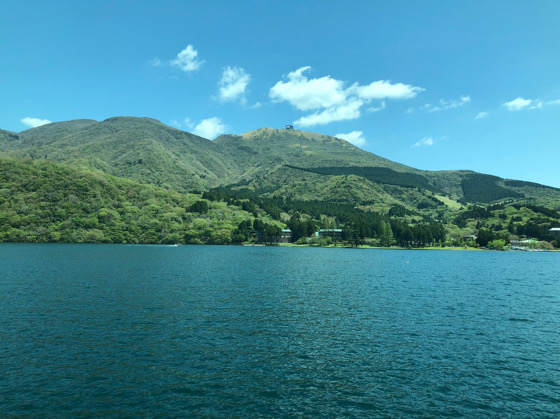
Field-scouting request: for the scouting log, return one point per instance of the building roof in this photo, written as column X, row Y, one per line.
column 330, row 230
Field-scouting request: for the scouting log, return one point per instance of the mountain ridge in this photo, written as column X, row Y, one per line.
column 151, row 152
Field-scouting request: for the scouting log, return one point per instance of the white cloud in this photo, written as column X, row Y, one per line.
column 34, row 122
column 383, row 89
column 445, row 104
column 520, row 103
column 210, row 128
column 187, row 60
column 354, row 137
column 553, row 102
column 331, row 99
column 481, row 115
column 426, row 141
column 233, row 83
column 257, row 105
column 309, row 94
column 350, row 110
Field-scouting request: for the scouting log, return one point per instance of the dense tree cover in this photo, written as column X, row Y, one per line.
column 357, row 225
column 539, row 209
column 521, row 184
column 484, row 237
column 508, row 221
column 399, row 211
column 275, row 206
column 375, row 174
column 46, row 202
column 301, row 227
column 497, row 244
column 200, row 207
column 474, row 212
column 537, row 231
column 419, row 235
column 256, row 231
column 485, row 188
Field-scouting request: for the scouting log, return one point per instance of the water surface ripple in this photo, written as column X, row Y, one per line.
column 122, row 331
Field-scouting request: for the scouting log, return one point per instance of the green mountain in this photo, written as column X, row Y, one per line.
column 310, row 166
column 142, row 149
column 47, row 202
column 6, row 139
column 272, row 162
column 269, row 174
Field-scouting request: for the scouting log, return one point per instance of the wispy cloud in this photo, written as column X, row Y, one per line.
column 553, row 102
column 520, row 103
column 187, row 60
column 156, row 62
column 210, row 128
column 188, row 123
column 233, row 84
column 481, row 115
column 424, row 142
column 331, row 99
column 377, row 108
column 34, row 122
column 353, row 137
column 445, row 104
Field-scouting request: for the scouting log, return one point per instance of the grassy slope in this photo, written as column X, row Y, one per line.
column 46, row 202
column 266, row 147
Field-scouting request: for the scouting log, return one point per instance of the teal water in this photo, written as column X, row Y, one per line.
column 109, row 330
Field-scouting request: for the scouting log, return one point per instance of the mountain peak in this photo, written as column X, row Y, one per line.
column 263, row 131
column 286, row 135
column 132, row 119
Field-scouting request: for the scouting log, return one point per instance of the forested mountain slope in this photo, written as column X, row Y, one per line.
column 272, row 162
column 46, row 202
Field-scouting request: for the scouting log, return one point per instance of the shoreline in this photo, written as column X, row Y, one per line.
column 446, row 248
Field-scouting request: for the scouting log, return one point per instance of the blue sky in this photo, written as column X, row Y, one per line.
column 435, row 85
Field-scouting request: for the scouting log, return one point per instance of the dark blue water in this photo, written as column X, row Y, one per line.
column 231, row 331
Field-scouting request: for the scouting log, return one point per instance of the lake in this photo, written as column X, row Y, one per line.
column 116, row 330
